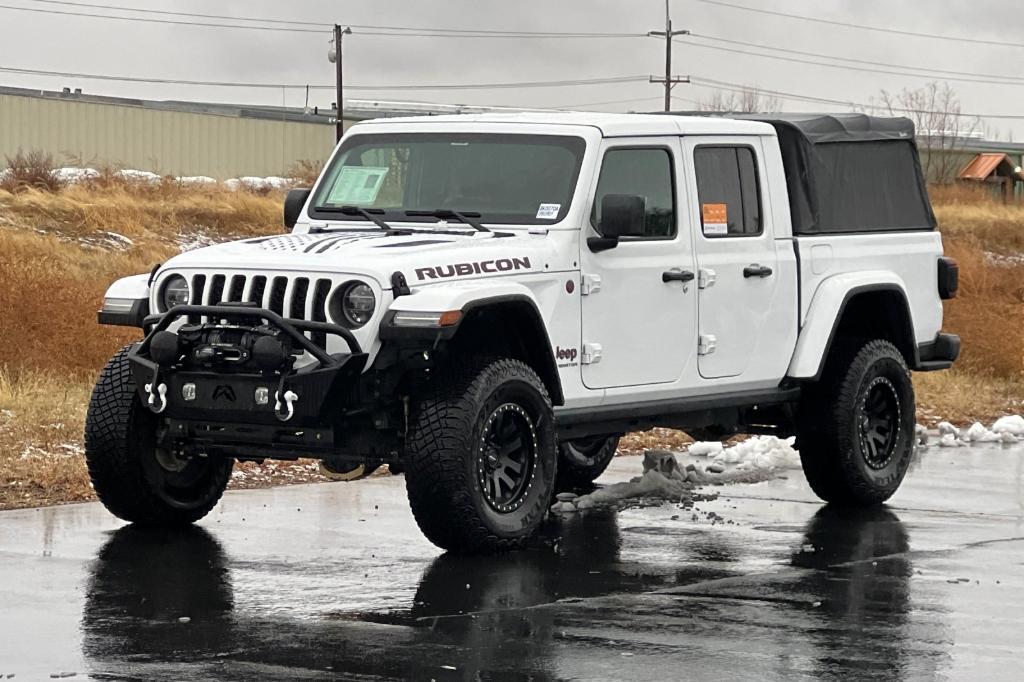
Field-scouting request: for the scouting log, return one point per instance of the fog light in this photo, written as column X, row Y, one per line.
column 188, row 391
column 262, row 395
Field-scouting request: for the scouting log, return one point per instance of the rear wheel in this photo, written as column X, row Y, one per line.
column 134, row 479
column 583, row 460
column 481, row 455
column 856, row 433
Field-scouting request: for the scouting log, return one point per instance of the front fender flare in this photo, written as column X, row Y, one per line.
column 467, row 297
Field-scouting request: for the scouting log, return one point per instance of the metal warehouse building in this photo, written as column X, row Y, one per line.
column 174, row 138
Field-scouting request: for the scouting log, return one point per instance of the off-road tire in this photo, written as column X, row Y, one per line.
column 445, row 452
column 839, row 463
column 582, row 461
column 120, row 451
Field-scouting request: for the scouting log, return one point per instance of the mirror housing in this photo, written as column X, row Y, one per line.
column 622, row 215
column 293, row 203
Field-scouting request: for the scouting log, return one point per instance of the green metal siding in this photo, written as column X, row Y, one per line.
column 167, row 142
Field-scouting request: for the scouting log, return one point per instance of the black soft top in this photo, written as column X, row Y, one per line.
column 851, row 173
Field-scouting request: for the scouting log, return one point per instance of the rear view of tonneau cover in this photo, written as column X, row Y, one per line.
column 851, row 173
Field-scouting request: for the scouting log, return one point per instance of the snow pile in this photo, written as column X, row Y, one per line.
column 1007, row 430
column 665, row 478
column 73, row 175
column 196, row 180
column 256, row 184
column 760, row 452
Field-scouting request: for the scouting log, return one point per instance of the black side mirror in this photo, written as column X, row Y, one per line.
column 622, row 215
column 293, row 203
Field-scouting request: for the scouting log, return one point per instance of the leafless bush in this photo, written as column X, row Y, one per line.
column 940, row 124
column 748, row 101
column 306, row 171
column 34, row 169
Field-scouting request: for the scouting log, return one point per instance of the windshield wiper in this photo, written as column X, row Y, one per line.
column 467, row 217
column 368, row 213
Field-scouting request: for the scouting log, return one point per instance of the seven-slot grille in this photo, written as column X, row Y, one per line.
column 299, row 298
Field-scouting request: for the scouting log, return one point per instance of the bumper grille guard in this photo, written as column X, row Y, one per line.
column 156, row 391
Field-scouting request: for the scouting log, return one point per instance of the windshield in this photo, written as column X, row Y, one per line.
column 524, row 179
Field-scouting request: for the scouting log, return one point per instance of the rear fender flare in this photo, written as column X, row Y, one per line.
column 826, row 312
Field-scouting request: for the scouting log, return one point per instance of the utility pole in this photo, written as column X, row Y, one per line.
column 334, row 55
column 668, row 79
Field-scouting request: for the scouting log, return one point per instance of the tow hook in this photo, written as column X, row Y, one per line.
column 158, row 395
column 289, row 399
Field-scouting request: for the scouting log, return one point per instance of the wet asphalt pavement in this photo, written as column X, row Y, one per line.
column 334, row 580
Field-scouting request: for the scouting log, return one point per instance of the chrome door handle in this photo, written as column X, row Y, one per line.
column 755, row 270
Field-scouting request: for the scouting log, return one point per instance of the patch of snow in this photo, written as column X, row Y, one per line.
column 196, row 240
column 1003, row 260
column 949, row 441
column 1013, row 424
column 762, row 452
column 233, row 184
column 705, row 448
column 73, row 175
column 138, row 175
column 197, row 180
column 945, row 429
column 977, row 433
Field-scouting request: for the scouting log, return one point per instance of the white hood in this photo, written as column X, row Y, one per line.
column 422, row 256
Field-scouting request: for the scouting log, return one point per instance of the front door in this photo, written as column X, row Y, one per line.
column 639, row 315
column 736, row 253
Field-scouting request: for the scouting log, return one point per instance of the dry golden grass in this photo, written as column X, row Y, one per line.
column 57, row 257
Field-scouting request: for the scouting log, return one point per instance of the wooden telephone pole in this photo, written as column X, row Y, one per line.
column 668, row 79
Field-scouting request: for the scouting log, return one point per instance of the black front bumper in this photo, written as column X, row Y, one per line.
column 224, row 395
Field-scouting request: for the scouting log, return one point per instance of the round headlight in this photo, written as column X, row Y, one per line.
column 175, row 292
column 353, row 305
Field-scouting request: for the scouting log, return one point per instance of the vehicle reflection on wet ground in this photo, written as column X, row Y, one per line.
column 327, row 581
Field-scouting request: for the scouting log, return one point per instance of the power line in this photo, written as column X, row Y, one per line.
column 976, row 79
column 279, row 86
column 924, row 69
column 863, row 27
column 740, row 88
column 301, row 26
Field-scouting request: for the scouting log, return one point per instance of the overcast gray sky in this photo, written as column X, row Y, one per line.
column 57, row 42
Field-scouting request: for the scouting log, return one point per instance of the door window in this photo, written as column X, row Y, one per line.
column 642, row 172
column 727, row 189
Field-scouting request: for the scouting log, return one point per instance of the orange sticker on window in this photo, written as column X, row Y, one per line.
column 715, row 218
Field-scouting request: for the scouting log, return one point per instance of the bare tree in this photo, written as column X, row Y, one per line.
column 747, row 101
column 942, row 128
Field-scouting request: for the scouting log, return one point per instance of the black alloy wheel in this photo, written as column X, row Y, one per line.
column 880, row 415
column 507, row 457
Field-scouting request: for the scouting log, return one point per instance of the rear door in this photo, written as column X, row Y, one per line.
column 639, row 315
column 738, row 269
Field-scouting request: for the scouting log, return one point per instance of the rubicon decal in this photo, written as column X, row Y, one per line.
column 474, row 268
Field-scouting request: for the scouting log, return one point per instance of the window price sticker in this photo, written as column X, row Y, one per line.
column 357, row 185
column 715, row 218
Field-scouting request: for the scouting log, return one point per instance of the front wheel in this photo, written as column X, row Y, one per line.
column 856, row 428
column 134, row 478
column 480, row 456
column 583, row 460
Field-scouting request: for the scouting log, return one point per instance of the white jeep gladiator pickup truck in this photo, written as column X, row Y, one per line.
column 488, row 302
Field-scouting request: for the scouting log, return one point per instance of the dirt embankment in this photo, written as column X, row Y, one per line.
column 61, row 247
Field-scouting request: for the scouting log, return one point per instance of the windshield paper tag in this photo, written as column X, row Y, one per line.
column 548, row 211
column 357, row 185
column 715, row 218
